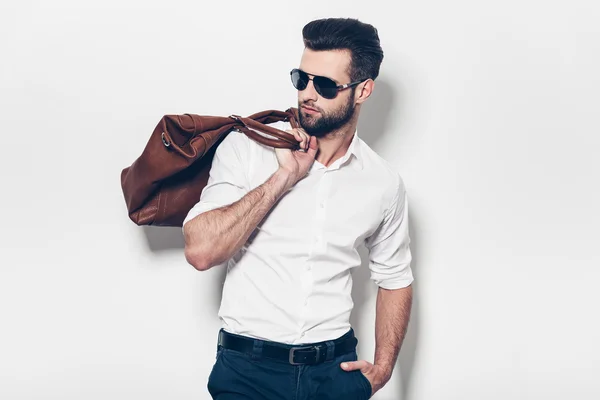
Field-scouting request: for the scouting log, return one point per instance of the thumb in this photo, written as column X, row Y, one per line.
column 352, row 365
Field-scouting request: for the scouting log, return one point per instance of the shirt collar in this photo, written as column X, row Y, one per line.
column 353, row 152
column 353, row 156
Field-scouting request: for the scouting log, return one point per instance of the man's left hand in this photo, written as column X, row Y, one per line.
column 376, row 374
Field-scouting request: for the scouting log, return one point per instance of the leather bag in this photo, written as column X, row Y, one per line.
column 166, row 180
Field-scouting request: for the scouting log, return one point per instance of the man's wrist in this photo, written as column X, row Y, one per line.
column 277, row 184
column 285, row 178
column 386, row 371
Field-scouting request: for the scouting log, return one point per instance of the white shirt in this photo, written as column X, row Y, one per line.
column 291, row 282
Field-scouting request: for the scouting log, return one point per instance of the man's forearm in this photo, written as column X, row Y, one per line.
column 214, row 236
column 391, row 322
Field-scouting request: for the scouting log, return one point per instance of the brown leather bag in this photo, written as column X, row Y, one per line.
column 166, row 180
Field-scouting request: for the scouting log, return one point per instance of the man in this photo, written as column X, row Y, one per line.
column 288, row 224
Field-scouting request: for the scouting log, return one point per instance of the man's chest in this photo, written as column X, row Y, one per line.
column 324, row 211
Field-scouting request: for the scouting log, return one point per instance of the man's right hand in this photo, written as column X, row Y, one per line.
column 231, row 225
column 296, row 163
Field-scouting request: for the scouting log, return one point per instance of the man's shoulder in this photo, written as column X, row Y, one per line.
column 241, row 139
column 381, row 169
column 281, row 125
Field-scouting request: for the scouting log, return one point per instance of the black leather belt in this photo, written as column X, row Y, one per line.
column 314, row 353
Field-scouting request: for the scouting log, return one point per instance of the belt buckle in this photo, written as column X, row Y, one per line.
column 291, row 358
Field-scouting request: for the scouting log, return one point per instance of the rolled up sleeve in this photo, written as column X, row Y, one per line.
column 227, row 180
column 389, row 246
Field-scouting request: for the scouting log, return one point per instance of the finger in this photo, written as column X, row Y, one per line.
column 354, row 365
column 303, row 143
column 299, row 134
column 296, row 135
column 313, row 145
column 305, row 137
column 303, row 132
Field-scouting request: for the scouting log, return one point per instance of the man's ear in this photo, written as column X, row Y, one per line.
column 364, row 90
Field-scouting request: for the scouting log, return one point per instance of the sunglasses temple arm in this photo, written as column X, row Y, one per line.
column 347, row 85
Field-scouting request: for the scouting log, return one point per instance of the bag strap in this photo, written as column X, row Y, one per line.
column 282, row 139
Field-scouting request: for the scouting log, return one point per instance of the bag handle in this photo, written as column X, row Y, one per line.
column 283, row 140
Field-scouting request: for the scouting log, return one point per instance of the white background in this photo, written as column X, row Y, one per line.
column 488, row 110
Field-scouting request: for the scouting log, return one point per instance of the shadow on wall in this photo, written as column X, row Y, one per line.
column 163, row 238
column 374, row 121
column 166, row 238
column 373, row 124
column 376, row 113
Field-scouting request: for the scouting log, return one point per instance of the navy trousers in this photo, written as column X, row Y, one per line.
column 240, row 376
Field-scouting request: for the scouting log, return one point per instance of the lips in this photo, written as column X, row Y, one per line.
column 310, row 109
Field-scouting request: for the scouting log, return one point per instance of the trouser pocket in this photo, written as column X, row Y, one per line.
column 334, row 383
column 236, row 375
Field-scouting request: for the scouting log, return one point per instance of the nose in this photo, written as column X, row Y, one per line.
column 309, row 93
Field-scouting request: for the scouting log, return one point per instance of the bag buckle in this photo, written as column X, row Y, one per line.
column 165, row 141
column 292, row 350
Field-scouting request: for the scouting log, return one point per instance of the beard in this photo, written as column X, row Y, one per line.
column 319, row 125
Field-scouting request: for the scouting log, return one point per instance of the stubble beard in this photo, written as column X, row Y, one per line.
column 320, row 125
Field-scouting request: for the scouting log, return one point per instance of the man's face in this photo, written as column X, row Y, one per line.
column 319, row 116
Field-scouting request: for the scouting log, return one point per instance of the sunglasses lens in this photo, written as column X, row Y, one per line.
column 325, row 87
column 299, row 79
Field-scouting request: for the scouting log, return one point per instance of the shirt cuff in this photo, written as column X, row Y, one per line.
column 394, row 280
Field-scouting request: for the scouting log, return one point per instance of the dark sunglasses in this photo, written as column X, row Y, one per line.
column 326, row 87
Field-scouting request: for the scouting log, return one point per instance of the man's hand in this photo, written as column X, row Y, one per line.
column 297, row 163
column 376, row 374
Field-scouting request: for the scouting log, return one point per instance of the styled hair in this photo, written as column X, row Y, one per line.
column 359, row 38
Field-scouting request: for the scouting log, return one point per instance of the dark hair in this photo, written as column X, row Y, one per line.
column 359, row 38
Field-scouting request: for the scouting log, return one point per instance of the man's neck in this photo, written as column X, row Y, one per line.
column 335, row 144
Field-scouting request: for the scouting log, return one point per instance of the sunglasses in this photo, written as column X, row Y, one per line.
column 326, row 87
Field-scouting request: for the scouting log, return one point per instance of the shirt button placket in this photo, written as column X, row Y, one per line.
column 321, row 199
